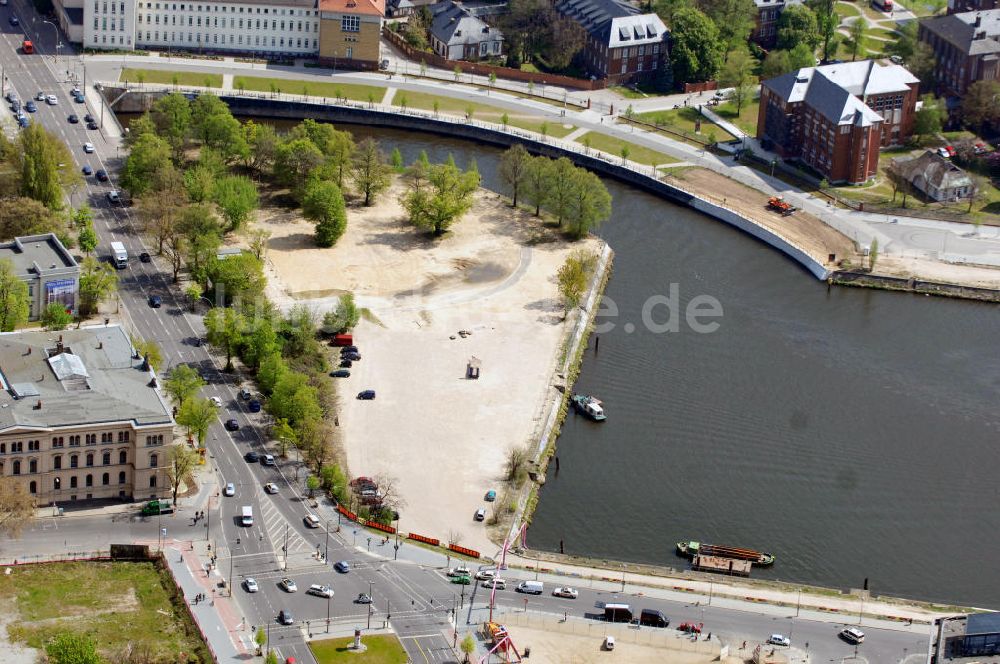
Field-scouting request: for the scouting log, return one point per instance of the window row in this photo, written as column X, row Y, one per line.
column 98, row 6
column 74, row 440
column 18, row 446
column 233, row 10
column 238, row 40
column 87, row 481
column 233, row 23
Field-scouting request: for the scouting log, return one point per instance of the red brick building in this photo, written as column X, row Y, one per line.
column 966, row 49
column 622, row 45
column 765, row 32
column 836, row 118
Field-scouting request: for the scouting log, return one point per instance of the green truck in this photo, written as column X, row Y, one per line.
column 154, row 507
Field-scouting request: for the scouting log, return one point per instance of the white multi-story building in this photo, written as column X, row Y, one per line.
column 279, row 27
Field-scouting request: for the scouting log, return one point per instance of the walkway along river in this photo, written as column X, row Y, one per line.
column 851, row 432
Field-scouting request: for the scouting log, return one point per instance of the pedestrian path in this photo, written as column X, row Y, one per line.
column 227, row 81
column 387, row 97
column 725, row 124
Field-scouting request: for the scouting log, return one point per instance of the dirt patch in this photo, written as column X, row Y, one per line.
column 802, row 229
column 11, row 653
column 126, row 602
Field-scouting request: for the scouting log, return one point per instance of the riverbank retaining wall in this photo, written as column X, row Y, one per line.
column 912, row 285
column 292, row 107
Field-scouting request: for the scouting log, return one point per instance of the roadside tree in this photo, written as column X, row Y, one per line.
column 514, row 166
column 202, row 235
column 182, row 383
column 20, row 215
column 283, row 432
column 41, row 155
column 181, row 461
column 468, row 646
column 236, row 196
column 14, row 304
column 260, row 341
column 55, row 316
column 197, row 415
column 98, row 282
column 149, row 156
column 738, row 74
column 87, row 239
column 698, row 49
column 17, row 507
column 225, row 327
column 323, row 204
column 369, row 171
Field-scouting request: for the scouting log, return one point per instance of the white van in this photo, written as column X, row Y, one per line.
column 247, row 516
column 530, row 587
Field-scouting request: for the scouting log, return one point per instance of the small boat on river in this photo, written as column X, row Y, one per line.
column 691, row 549
column 589, row 406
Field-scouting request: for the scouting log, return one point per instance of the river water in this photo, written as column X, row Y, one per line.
column 853, row 433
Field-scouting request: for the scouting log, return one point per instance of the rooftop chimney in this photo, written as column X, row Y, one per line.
column 38, row 406
column 979, row 20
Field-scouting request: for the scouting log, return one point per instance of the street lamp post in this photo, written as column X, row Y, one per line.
column 370, row 600
column 326, row 556
column 284, row 550
column 55, row 31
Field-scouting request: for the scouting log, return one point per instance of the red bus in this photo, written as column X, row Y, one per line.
column 27, row 46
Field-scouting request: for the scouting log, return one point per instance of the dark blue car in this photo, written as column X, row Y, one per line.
column 254, row 406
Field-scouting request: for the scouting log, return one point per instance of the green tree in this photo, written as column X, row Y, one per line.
column 801, row 56
column 55, row 316
column 827, row 22
column 872, row 254
column 14, row 304
column 573, row 277
column 293, row 162
column 262, row 142
column 21, row 216
column 448, row 197
column 260, row 638
column 334, row 481
column 225, row 327
column 562, row 189
column 202, row 235
column 224, row 133
column 149, row 350
column 88, row 238
column 283, row 432
column 775, row 64
column 979, row 104
column 98, row 282
column 734, row 18
column 141, row 125
column 260, row 342
column 149, row 156
column 344, row 317
column 41, row 155
column 312, row 483
column 81, row 217
column 468, row 646
column 197, row 415
column 858, row 32
column 588, row 205
column 514, row 166
column 236, row 196
column 181, row 461
column 172, row 116
column 738, row 75
column 297, row 401
column 271, row 370
column 369, row 171
column 698, row 49
column 323, row 204
column 199, row 184
column 397, row 160
column 272, row 657
column 796, row 25
column 929, row 119
column 72, row 648
column 538, row 182
column 183, row 383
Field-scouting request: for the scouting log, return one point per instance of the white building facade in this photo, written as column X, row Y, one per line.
column 267, row 29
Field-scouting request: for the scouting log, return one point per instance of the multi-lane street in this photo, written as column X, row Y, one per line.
column 417, row 600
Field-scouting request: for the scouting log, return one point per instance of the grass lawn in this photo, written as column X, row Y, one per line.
column 172, row 77
column 747, row 118
column 613, row 146
column 682, row 120
column 527, row 66
column 312, row 88
column 382, row 649
column 845, row 9
column 874, row 14
column 459, row 107
column 554, row 129
column 115, row 603
column 628, row 93
column 921, row 9
column 882, row 32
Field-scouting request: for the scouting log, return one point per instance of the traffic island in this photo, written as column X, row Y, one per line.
column 375, row 649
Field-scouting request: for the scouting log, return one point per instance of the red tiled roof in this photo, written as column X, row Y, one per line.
column 367, row 7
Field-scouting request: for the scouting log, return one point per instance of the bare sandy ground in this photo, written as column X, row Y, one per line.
column 443, row 438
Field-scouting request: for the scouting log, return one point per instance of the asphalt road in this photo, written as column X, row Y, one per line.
column 417, row 600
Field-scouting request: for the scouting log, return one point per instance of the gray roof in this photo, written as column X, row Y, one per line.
column 837, row 91
column 453, row 24
column 35, row 255
column 983, row 623
column 960, row 30
column 614, row 22
column 931, row 168
column 74, row 14
column 90, row 377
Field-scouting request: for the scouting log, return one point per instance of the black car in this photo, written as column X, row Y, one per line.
column 144, row 257
column 285, row 617
column 340, row 373
column 88, row 118
column 348, row 349
column 346, row 364
column 91, row 124
column 353, row 357
column 366, row 395
column 102, row 175
column 232, row 425
column 252, row 457
column 14, row 21
column 73, row 119
column 155, row 301
column 254, row 406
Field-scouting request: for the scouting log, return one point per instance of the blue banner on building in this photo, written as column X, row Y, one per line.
column 62, row 291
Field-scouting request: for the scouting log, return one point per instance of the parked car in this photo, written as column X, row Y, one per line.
column 943, row 152
column 566, row 592
column 252, row 457
column 253, row 406
column 232, row 425
column 363, row 598
column 353, row 357
column 244, row 394
column 320, row 590
column 342, row 566
column 485, row 574
column 366, row 395
column 250, row 584
column 461, row 570
column 779, row 640
column 288, row 585
column 480, row 514
column 144, row 257
column 340, row 373
column 491, row 495
column 30, row 107
column 609, row 643
column 348, row 349
column 285, row 617
column 271, row 488
column 155, row 301
column 230, row 490
column 346, row 364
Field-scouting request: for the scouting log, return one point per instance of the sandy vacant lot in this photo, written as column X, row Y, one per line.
column 443, row 438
